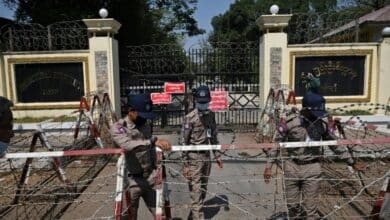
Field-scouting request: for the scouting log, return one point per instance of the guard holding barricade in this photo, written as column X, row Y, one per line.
column 302, row 169
column 199, row 127
column 134, row 134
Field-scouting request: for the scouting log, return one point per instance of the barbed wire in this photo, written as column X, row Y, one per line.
column 67, row 35
column 45, row 190
column 256, row 201
column 314, row 27
column 44, row 186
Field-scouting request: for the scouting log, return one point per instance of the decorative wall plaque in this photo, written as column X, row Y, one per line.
column 339, row 75
column 49, row 82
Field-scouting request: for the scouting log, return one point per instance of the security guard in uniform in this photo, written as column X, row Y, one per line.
column 134, row 134
column 313, row 101
column 302, row 171
column 199, row 127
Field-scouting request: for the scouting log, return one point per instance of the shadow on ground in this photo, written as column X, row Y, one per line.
column 215, row 203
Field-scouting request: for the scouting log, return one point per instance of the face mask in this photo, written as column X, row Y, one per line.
column 3, row 148
column 202, row 106
column 139, row 122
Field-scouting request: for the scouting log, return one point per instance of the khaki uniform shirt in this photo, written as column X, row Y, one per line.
column 140, row 155
column 195, row 126
column 297, row 129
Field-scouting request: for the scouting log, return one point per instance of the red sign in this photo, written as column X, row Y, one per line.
column 174, row 87
column 161, row 98
column 219, row 101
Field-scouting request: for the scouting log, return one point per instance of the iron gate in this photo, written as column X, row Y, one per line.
column 231, row 66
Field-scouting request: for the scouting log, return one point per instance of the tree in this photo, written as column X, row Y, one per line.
column 239, row 22
column 143, row 21
column 369, row 4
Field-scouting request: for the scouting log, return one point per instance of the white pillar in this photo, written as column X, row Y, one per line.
column 384, row 68
column 104, row 58
column 273, row 53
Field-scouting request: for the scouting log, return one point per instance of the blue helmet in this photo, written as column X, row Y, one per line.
column 202, row 94
column 315, row 103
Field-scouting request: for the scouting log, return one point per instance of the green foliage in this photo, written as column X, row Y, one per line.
column 238, row 24
column 143, row 21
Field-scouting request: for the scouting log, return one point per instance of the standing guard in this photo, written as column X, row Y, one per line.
column 302, row 169
column 199, row 127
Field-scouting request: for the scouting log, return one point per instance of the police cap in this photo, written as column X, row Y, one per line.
column 142, row 104
column 202, row 94
column 315, row 103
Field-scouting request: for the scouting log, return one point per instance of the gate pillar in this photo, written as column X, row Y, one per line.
column 104, row 58
column 273, row 53
column 384, row 67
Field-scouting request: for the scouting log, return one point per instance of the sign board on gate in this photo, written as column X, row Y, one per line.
column 178, row 88
column 161, row 98
column 219, row 100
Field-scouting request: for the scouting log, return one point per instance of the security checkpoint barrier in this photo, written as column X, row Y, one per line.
column 122, row 196
column 72, row 188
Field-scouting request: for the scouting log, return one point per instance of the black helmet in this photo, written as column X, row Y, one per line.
column 202, row 94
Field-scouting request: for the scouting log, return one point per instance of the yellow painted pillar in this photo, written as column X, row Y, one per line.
column 104, row 58
column 273, row 63
column 384, row 68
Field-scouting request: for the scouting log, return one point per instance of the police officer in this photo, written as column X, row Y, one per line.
column 302, row 171
column 313, row 103
column 6, row 124
column 199, row 127
column 134, row 134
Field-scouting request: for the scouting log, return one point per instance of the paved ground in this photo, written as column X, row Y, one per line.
column 236, row 191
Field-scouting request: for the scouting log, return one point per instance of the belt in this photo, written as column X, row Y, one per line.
column 304, row 162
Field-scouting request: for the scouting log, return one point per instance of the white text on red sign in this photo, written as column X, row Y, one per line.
column 174, row 87
column 219, row 101
column 161, row 98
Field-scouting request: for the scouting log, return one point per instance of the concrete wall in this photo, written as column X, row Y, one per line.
column 100, row 69
column 277, row 62
column 44, row 108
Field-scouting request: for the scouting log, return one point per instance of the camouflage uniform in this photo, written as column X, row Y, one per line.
column 140, row 161
column 303, row 171
column 194, row 132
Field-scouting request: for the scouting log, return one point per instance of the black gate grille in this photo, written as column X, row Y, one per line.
column 231, row 66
